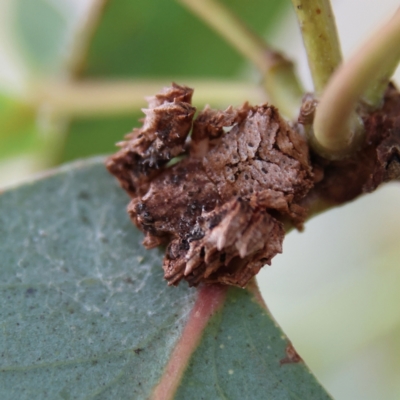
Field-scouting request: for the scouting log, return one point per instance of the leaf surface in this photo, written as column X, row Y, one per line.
column 85, row 312
column 243, row 356
column 148, row 38
column 41, row 29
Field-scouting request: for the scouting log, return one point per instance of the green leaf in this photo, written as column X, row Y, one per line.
column 145, row 38
column 41, row 30
column 158, row 38
column 243, row 356
column 85, row 312
column 84, row 309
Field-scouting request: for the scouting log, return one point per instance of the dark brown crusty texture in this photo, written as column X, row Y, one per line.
column 376, row 162
column 162, row 137
column 220, row 209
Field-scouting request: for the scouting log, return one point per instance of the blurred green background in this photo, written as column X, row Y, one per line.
column 73, row 76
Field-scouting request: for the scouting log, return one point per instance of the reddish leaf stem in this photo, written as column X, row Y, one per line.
column 210, row 299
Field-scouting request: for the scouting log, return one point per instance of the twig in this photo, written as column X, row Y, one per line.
column 90, row 98
column 320, row 38
column 336, row 126
column 376, row 90
column 280, row 81
column 83, row 38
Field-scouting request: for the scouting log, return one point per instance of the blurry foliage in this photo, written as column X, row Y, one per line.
column 18, row 133
column 41, row 29
column 156, row 38
column 140, row 39
column 38, row 32
column 148, row 38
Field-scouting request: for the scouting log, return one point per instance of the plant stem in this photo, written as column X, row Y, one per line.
column 282, row 86
column 52, row 130
column 337, row 128
column 83, row 38
column 280, row 81
column 90, row 98
column 373, row 96
column 318, row 28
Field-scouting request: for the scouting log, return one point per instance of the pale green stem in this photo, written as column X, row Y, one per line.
column 336, row 125
column 376, row 90
column 282, row 87
column 83, row 38
column 107, row 98
column 318, row 29
column 280, row 81
column 52, row 131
